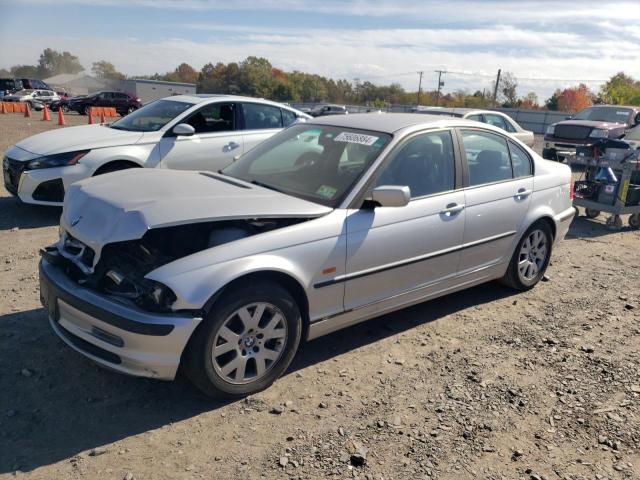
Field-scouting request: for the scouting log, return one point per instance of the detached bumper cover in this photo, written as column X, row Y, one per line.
column 117, row 336
column 563, row 220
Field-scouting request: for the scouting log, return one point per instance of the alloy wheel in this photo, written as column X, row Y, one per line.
column 533, row 255
column 249, row 343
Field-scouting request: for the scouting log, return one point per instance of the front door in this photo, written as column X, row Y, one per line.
column 497, row 198
column 216, row 141
column 393, row 251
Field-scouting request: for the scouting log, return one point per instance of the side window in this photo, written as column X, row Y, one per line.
column 476, row 118
column 487, row 157
column 520, row 161
column 258, row 117
column 496, row 121
column 216, row 117
column 426, row 164
column 288, row 117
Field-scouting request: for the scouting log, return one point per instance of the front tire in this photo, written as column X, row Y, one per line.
column 246, row 342
column 530, row 259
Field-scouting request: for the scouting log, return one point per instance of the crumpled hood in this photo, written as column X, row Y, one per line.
column 123, row 205
column 84, row 137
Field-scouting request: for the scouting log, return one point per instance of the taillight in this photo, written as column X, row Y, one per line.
column 571, row 190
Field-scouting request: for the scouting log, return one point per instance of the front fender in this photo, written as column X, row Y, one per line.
column 308, row 264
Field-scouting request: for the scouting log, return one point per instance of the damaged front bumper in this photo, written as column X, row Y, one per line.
column 117, row 336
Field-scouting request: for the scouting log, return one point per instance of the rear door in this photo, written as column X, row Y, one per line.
column 217, row 140
column 260, row 121
column 497, row 197
column 396, row 252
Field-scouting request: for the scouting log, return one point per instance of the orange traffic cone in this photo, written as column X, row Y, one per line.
column 27, row 111
column 45, row 114
column 61, row 117
column 102, row 118
column 90, row 113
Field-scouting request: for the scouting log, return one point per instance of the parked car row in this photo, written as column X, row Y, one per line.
column 276, row 235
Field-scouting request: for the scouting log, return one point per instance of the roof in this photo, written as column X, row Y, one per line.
column 386, row 122
column 209, row 97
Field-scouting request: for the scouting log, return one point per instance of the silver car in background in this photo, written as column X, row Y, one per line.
column 497, row 119
column 324, row 225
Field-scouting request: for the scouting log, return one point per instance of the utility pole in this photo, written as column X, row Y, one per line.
column 440, row 84
column 495, row 89
column 420, row 86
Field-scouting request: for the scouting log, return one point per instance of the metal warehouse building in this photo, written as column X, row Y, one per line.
column 149, row 90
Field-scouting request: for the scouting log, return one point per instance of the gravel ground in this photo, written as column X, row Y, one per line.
column 482, row 384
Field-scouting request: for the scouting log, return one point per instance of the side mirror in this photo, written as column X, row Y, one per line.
column 391, row 196
column 183, row 130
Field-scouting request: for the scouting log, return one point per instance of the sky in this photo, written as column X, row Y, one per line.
column 545, row 44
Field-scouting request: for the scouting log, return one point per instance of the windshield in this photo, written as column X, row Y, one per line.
column 317, row 163
column 605, row 114
column 152, row 117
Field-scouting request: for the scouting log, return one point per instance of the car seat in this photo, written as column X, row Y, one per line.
column 490, row 166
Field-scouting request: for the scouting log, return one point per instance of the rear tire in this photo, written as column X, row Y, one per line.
column 246, row 341
column 530, row 258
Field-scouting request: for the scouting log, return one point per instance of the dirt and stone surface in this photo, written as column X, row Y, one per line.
column 482, row 384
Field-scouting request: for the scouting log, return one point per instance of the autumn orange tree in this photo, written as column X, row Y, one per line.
column 572, row 99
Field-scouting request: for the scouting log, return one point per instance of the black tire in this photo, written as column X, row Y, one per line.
column 85, row 109
column 198, row 362
column 130, row 110
column 590, row 213
column 512, row 278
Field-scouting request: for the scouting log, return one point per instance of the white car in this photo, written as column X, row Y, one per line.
column 183, row 132
column 497, row 119
column 36, row 99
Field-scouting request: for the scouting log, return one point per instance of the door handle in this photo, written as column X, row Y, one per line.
column 451, row 209
column 523, row 192
column 230, row 146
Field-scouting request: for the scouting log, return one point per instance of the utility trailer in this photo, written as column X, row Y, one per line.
column 619, row 194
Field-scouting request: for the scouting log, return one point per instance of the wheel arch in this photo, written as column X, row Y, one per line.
column 288, row 282
column 116, row 164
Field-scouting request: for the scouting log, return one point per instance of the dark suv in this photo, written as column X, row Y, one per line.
column 122, row 102
column 586, row 127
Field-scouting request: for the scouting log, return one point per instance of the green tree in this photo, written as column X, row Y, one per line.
column 52, row 62
column 104, row 69
column 621, row 89
column 24, row 71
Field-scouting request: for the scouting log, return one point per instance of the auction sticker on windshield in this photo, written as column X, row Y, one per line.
column 358, row 138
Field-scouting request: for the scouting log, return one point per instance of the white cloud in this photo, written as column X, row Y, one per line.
column 542, row 42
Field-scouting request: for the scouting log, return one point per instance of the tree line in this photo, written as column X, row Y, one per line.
column 257, row 77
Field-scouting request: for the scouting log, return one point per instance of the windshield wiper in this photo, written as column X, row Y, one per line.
column 115, row 127
column 265, row 185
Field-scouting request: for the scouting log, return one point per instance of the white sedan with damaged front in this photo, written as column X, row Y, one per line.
column 324, row 225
